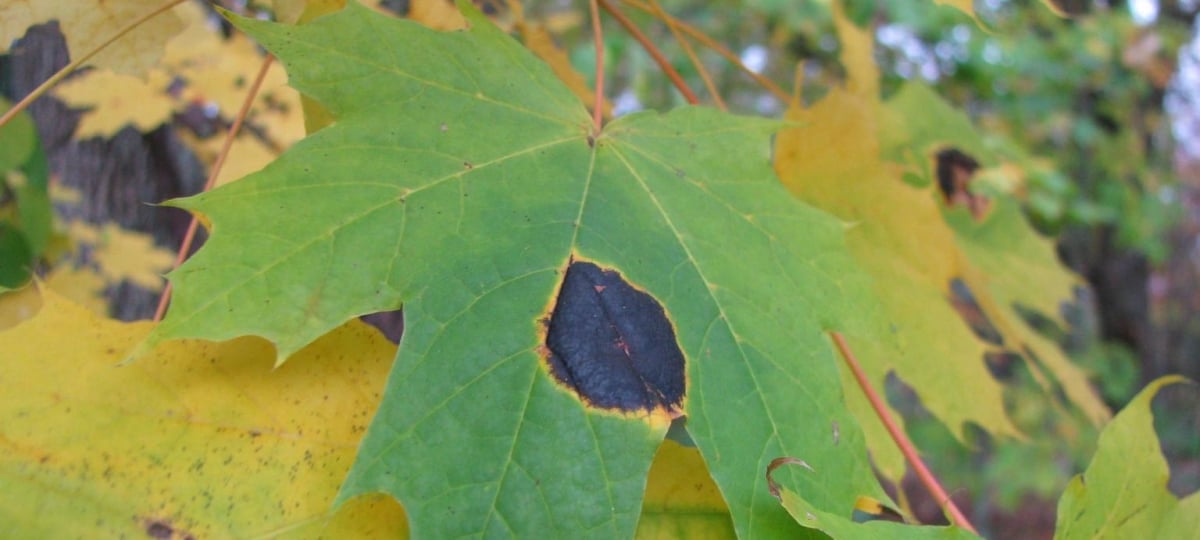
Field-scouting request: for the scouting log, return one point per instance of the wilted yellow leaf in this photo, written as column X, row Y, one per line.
column 117, row 100
column 196, row 440
column 87, row 24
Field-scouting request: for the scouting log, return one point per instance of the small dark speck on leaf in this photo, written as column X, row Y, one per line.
column 468, row 165
column 591, row 141
column 159, row 529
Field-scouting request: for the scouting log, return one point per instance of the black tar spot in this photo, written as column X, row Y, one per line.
column 612, row 343
column 952, row 162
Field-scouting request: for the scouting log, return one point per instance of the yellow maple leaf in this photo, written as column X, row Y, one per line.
column 219, row 71
column 436, row 14
column 81, row 285
column 115, row 101
column 832, row 159
column 682, row 501
column 87, row 24
column 247, row 154
column 196, row 440
column 122, row 254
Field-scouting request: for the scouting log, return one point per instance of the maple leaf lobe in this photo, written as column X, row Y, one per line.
column 612, row 344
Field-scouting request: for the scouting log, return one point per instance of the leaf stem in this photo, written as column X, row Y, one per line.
column 717, row 47
column 190, row 235
column 652, row 49
column 598, row 37
column 673, row 26
column 906, row 447
column 69, row 68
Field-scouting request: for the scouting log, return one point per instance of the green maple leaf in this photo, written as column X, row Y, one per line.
column 461, row 178
column 1123, row 493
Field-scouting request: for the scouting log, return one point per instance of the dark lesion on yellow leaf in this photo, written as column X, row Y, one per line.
column 955, row 172
column 612, row 344
column 163, row 529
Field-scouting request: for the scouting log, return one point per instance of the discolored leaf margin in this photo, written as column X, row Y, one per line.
column 461, row 181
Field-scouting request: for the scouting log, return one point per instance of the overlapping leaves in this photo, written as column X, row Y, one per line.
column 460, row 181
column 848, row 155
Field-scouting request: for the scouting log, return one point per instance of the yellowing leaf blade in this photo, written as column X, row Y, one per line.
column 198, row 438
column 1123, row 493
column 87, row 25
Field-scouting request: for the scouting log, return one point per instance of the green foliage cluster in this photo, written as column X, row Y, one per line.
column 25, row 212
column 1070, row 91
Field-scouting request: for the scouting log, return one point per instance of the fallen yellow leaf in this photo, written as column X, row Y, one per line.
column 122, row 254
column 682, row 501
column 115, row 101
column 87, row 24
column 196, row 440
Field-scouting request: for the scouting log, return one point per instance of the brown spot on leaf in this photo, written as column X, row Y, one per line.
column 778, row 462
column 955, row 172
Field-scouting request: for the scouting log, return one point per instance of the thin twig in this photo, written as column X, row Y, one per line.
column 70, row 68
column 673, row 26
column 188, row 237
column 720, row 49
column 906, row 446
column 598, row 37
column 653, row 50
